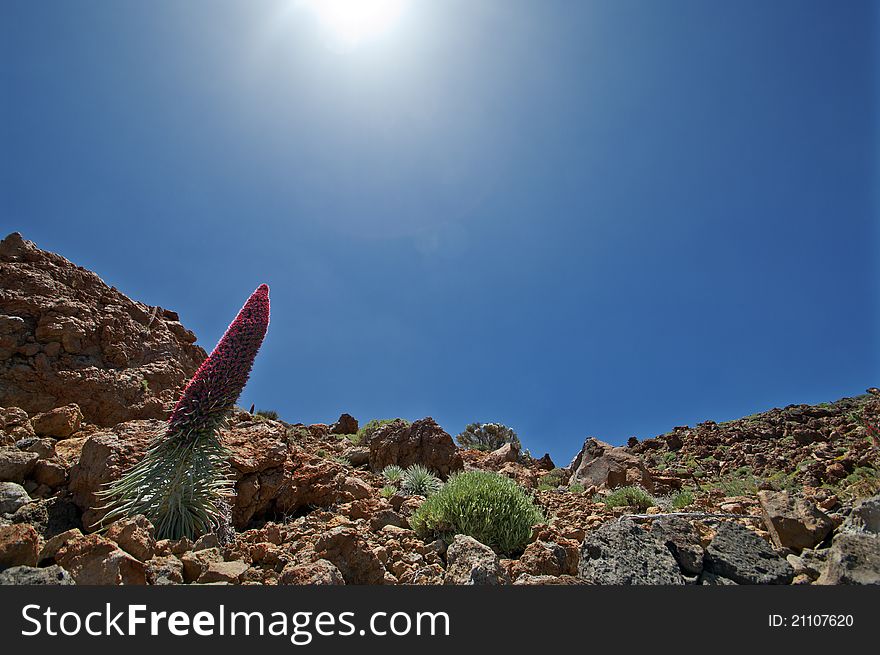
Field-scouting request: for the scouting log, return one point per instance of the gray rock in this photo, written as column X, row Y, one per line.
column 865, row 517
column 682, row 541
column 12, row 496
column 793, row 521
column 49, row 517
column 357, row 455
column 16, row 465
column 601, row 464
column 471, row 563
column 740, row 555
column 622, row 553
column 31, row 575
column 852, row 559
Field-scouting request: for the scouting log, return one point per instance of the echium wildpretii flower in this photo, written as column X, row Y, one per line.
column 183, row 481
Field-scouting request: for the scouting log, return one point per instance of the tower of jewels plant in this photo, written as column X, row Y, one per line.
column 183, row 480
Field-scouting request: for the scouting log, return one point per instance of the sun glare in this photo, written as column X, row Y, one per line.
column 351, row 22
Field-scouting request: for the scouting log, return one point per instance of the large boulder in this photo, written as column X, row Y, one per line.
column 622, row 553
column 67, row 337
column 793, row 521
column 854, row 558
column 738, row 554
column 602, row 465
column 422, row 442
column 347, row 424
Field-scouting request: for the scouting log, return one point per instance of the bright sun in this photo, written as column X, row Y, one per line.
column 351, row 22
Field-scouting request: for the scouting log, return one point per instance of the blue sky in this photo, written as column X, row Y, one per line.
column 576, row 218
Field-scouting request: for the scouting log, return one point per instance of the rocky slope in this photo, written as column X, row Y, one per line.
column 66, row 337
column 788, row 496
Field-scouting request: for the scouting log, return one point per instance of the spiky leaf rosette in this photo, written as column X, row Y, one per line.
column 181, row 483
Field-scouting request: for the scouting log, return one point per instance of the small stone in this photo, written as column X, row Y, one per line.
column 134, row 535
column 12, row 496
column 223, row 572
column 19, row 546
column 196, row 562
column 471, row 563
column 50, row 473
column 29, row 575
column 53, row 545
column 320, row 572
column 16, row 465
column 166, row 570
column 94, row 560
column 60, row 422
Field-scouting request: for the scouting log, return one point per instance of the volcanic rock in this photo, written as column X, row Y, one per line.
column 67, row 337
column 422, row 442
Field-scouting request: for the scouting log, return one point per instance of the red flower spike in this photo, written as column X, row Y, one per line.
column 218, row 383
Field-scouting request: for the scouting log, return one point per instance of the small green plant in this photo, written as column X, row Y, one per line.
column 682, row 499
column 298, row 432
column 354, row 438
column 393, row 473
column 577, row 488
column 487, row 436
column 629, row 497
column 550, row 481
column 322, row 453
column 145, row 385
column 418, row 480
column 487, row 506
column 270, row 414
column 387, row 491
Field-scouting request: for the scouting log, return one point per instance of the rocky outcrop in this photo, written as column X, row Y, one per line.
column 67, row 337
column 603, row 465
column 422, row 442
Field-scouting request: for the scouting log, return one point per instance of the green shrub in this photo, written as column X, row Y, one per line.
column 682, row 499
column 629, row 497
column 387, row 491
column 355, row 439
column 393, row 473
column 487, row 436
column 417, row 480
column 577, row 488
column 487, row 506
column 270, row 414
column 551, row 480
